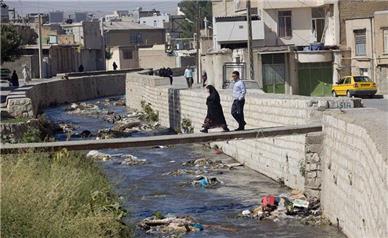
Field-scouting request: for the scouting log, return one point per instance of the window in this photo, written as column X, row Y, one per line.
column 385, row 41
column 364, row 71
column 127, row 54
column 348, row 80
column 360, row 79
column 318, row 23
column 155, row 23
column 284, row 22
column 360, row 42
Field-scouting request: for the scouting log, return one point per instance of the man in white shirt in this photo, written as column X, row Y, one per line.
column 239, row 91
column 189, row 76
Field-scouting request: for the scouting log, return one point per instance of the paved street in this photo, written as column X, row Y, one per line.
column 379, row 103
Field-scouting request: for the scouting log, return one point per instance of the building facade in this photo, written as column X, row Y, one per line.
column 125, row 38
column 367, row 39
column 300, row 47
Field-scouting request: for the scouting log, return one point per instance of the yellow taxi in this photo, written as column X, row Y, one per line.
column 354, row 86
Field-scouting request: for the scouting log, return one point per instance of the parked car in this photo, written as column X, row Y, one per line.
column 354, row 86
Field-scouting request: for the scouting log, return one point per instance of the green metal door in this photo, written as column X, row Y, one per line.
column 315, row 79
column 274, row 73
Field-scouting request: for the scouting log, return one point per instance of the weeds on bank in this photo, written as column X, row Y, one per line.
column 148, row 114
column 57, row 195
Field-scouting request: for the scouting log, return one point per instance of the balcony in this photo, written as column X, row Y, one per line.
column 234, row 29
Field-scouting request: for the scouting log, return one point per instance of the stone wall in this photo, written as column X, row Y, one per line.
column 281, row 158
column 354, row 167
column 28, row 101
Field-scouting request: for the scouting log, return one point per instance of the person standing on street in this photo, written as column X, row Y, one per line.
column 81, row 68
column 114, row 66
column 169, row 74
column 239, row 91
column 189, row 77
column 15, row 79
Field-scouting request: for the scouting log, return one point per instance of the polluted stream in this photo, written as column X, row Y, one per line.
column 159, row 180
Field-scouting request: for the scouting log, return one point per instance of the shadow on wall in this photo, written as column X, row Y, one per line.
column 174, row 108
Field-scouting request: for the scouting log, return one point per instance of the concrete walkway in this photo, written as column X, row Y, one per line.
column 162, row 140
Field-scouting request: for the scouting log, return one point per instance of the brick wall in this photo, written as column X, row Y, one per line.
column 354, row 166
column 281, row 158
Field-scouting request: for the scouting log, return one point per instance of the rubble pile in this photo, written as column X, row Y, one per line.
column 169, row 224
column 283, row 206
column 211, row 164
column 132, row 160
column 84, row 108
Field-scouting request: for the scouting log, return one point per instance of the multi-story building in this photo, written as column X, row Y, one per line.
column 56, row 17
column 122, row 40
column 367, row 39
column 157, row 21
column 299, row 46
column 87, row 35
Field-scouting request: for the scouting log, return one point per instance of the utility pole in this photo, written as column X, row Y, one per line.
column 198, row 41
column 250, row 51
column 40, row 46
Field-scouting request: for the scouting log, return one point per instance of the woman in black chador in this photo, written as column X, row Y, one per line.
column 215, row 115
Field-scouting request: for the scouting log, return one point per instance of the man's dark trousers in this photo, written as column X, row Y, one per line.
column 238, row 112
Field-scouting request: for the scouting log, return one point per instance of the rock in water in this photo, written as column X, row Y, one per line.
column 95, row 154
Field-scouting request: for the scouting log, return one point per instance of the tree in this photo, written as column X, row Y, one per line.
column 11, row 43
column 190, row 9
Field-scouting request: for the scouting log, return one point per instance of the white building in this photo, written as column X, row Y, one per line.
column 156, row 21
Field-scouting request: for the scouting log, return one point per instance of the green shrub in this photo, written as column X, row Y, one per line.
column 57, row 195
column 187, row 126
column 148, row 114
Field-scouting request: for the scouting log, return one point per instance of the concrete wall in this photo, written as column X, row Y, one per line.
column 28, row 101
column 30, row 60
column 123, row 37
column 354, row 167
column 156, row 57
column 381, row 25
column 280, row 158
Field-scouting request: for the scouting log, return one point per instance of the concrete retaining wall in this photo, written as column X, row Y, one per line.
column 354, row 167
column 281, row 158
column 29, row 100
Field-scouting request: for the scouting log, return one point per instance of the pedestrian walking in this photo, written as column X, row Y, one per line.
column 114, row 66
column 239, row 91
column 215, row 115
column 204, row 79
column 15, row 79
column 169, row 74
column 26, row 74
column 189, row 76
column 81, row 68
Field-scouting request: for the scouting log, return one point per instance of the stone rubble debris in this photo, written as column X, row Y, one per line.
column 293, row 205
column 97, row 155
column 131, row 160
column 212, row 164
column 169, row 225
column 180, row 172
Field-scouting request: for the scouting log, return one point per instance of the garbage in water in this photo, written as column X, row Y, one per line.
column 97, row 155
column 180, row 172
column 293, row 205
column 206, row 182
column 212, row 164
column 169, row 224
column 132, row 160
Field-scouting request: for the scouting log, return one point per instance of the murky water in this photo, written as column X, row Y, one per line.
column 144, row 189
